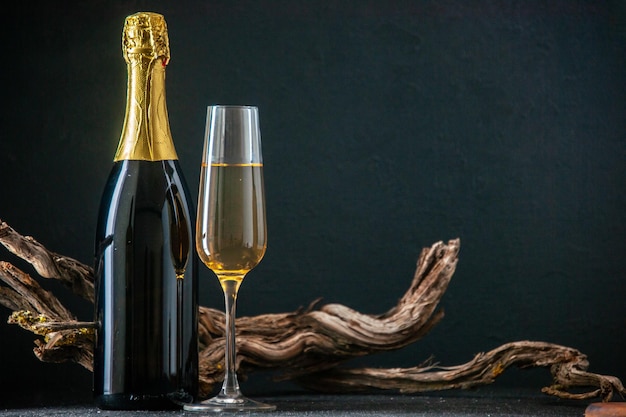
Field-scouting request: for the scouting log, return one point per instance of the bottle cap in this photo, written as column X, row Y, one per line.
column 145, row 35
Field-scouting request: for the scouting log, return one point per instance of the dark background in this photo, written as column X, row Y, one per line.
column 387, row 126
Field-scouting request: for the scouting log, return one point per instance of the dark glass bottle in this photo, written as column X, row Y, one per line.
column 146, row 352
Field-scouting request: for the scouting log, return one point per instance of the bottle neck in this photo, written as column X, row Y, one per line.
column 146, row 133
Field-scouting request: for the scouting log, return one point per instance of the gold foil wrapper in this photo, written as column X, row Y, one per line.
column 145, row 34
column 146, row 133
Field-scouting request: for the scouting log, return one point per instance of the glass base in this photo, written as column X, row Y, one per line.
column 222, row 403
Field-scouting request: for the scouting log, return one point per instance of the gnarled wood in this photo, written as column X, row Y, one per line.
column 70, row 272
column 305, row 345
column 567, row 365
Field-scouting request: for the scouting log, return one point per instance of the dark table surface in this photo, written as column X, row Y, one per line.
column 474, row 403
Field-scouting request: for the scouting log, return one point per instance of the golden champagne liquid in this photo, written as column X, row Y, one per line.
column 232, row 238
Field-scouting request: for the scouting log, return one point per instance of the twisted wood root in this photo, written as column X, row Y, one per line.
column 305, row 345
column 567, row 365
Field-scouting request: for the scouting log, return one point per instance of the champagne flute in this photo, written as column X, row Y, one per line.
column 231, row 233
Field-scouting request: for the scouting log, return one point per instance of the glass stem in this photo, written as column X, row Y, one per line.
column 230, row 387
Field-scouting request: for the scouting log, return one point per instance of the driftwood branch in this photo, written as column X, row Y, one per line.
column 567, row 365
column 305, row 345
column 72, row 273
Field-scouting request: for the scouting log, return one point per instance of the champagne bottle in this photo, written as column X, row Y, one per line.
column 146, row 307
